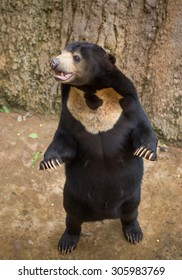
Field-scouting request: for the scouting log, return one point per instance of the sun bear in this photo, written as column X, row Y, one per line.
column 102, row 137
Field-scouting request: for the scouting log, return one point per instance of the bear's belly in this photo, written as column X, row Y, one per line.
column 99, row 189
column 97, row 120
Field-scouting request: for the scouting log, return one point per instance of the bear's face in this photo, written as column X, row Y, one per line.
column 80, row 63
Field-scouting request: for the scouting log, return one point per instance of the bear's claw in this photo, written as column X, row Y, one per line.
column 133, row 237
column 66, row 250
column 49, row 164
column 145, row 153
column 67, row 243
column 133, row 233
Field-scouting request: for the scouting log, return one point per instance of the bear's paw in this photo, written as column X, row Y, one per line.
column 146, row 153
column 68, row 243
column 133, row 232
column 50, row 164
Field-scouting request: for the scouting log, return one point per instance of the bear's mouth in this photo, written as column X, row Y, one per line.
column 62, row 76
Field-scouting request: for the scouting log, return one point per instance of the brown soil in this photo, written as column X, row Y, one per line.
column 32, row 215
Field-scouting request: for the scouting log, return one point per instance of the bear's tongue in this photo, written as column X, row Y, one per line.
column 63, row 76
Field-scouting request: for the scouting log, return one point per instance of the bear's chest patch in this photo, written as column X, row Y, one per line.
column 103, row 116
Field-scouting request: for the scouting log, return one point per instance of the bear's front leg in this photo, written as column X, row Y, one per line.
column 144, row 140
column 62, row 149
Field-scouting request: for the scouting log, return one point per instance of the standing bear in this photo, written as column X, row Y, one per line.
column 102, row 137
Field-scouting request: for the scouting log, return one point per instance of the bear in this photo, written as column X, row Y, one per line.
column 102, row 137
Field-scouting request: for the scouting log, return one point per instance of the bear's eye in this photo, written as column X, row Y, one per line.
column 76, row 58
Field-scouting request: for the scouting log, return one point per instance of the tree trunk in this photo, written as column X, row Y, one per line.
column 144, row 35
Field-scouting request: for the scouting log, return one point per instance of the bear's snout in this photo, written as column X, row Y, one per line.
column 54, row 63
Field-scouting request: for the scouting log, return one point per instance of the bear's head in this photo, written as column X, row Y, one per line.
column 82, row 63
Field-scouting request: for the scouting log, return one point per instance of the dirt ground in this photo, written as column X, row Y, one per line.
column 31, row 212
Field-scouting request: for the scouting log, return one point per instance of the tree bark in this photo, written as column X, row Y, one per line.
column 144, row 35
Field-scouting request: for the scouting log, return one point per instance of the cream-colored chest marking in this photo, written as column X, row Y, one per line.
column 98, row 120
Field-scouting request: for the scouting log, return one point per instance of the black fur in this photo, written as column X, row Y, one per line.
column 103, row 176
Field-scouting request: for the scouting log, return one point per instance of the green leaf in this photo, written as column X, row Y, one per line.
column 33, row 135
column 5, row 109
column 35, row 158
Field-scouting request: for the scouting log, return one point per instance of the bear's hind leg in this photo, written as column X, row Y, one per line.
column 130, row 225
column 71, row 235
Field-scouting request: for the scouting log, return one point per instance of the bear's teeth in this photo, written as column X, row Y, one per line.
column 63, row 76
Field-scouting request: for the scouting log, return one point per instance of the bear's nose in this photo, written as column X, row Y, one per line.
column 54, row 63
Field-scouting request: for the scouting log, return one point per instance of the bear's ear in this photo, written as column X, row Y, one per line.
column 112, row 58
